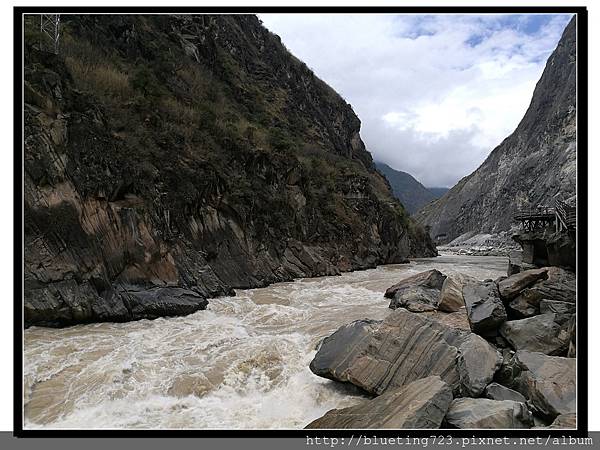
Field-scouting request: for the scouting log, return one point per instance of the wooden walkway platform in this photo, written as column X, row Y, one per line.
column 562, row 216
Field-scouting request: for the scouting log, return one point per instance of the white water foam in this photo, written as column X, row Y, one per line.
column 242, row 363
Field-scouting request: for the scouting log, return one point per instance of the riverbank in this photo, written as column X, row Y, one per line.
column 242, row 363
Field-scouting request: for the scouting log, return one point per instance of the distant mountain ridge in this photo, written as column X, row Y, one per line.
column 408, row 189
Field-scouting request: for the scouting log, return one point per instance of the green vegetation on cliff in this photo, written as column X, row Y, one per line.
column 192, row 152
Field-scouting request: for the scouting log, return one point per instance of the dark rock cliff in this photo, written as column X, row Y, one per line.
column 169, row 159
column 531, row 167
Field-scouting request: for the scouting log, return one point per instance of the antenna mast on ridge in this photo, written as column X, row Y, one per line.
column 50, row 26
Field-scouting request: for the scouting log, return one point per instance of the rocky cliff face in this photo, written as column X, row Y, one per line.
column 407, row 189
column 169, row 159
column 531, row 167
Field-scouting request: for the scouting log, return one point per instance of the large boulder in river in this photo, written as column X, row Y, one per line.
column 510, row 287
column 485, row 309
column 546, row 333
column 548, row 382
column 420, row 404
column 379, row 356
column 486, row 413
column 347, row 341
column 418, row 293
column 477, row 363
column 403, row 348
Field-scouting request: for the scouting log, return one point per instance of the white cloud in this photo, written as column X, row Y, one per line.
column 435, row 94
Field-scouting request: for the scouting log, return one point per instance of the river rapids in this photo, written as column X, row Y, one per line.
column 242, row 363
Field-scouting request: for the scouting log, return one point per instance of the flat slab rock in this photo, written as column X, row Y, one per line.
column 418, row 293
column 484, row 308
column 379, row 356
column 546, row 333
column 548, row 382
column 420, row 404
column 486, row 413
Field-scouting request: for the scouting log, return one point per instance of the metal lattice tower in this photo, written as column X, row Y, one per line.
column 50, row 26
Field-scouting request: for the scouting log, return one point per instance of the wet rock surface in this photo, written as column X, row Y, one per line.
column 420, row 404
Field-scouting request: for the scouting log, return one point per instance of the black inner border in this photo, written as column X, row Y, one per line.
column 582, row 226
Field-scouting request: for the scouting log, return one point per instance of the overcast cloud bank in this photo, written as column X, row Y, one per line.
column 435, row 93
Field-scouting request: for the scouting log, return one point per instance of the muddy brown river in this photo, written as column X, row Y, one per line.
column 242, row 363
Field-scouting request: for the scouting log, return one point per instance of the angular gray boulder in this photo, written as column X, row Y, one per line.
column 420, row 404
column 546, row 333
column 406, row 346
column 335, row 352
column 485, row 309
column 418, row 293
column 451, row 296
column 510, row 287
column 486, row 413
column 477, row 363
column 495, row 391
column 379, row 356
column 548, row 382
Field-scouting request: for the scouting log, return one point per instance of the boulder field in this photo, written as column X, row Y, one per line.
column 455, row 352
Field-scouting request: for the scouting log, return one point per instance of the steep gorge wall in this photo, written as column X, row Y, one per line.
column 531, row 167
column 169, row 159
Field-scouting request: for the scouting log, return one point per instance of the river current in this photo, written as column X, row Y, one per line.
column 242, row 363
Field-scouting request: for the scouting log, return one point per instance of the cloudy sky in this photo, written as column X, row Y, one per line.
column 435, row 93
